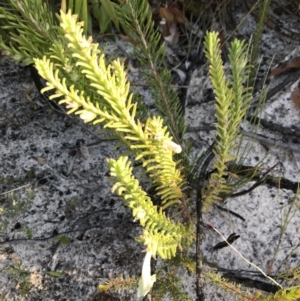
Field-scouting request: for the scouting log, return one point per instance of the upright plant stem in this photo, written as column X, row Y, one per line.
column 265, row 4
column 160, row 84
column 199, row 238
column 208, row 157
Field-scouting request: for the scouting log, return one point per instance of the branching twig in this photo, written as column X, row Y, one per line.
column 252, row 264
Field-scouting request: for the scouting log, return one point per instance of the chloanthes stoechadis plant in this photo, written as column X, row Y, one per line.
column 76, row 71
column 77, row 74
column 232, row 102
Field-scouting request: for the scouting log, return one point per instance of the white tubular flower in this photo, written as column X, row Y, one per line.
column 146, row 282
column 87, row 116
column 172, row 146
column 72, row 104
column 139, row 213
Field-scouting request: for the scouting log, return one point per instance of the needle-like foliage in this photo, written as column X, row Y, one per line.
column 76, row 73
column 136, row 18
column 113, row 107
column 24, row 19
column 232, row 102
column 161, row 235
column 108, row 101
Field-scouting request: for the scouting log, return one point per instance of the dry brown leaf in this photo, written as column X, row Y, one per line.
column 181, row 74
column 296, row 96
column 178, row 14
column 286, row 66
column 40, row 160
column 172, row 14
column 173, row 37
column 166, row 14
column 164, row 28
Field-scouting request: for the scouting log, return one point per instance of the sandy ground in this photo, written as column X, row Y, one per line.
column 49, row 186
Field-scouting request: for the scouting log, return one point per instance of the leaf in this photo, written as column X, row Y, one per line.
column 104, row 20
column 40, row 160
column 63, row 6
column 110, row 10
column 173, row 36
column 178, row 14
column 296, row 95
column 231, row 238
column 165, row 13
column 286, row 66
column 172, row 14
column 181, row 74
column 55, row 274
